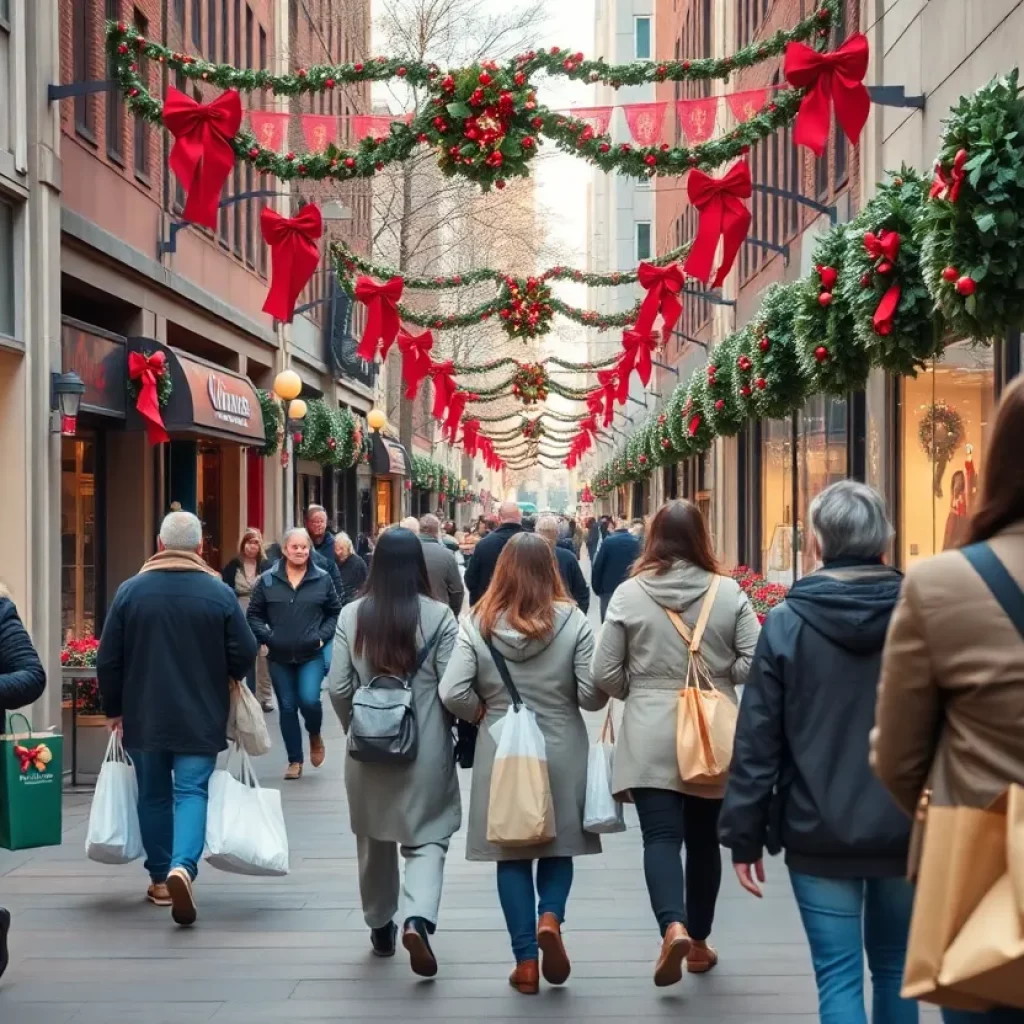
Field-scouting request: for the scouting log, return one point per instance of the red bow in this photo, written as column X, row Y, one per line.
column 838, row 75
column 146, row 369
column 27, row 755
column 947, row 186
column 442, row 374
column 722, row 215
column 381, row 301
column 415, row 349
column 886, row 311
column 664, row 285
column 456, row 407
column 588, row 425
column 637, row 356
column 609, row 382
column 294, row 255
column 470, row 436
column 202, row 155
column 883, row 246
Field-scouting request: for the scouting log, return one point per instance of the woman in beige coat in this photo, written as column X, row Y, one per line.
column 547, row 644
column 642, row 659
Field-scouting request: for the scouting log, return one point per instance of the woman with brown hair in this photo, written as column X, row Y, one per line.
column 527, row 618
column 641, row 658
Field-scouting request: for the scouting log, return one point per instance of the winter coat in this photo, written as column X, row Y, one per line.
column 552, row 676
column 293, row 624
column 229, row 573
column 807, row 711
column 481, row 566
column 410, row 804
column 325, row 549
column 618, row 553
column 353, row 573
column 445, row 578
column 573, row 578
column 22, row 678
column 325, row 562
column 641, row 659
column 593, row 539
column 566, row 544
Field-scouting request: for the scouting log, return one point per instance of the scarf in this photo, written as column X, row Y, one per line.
column 177, row 561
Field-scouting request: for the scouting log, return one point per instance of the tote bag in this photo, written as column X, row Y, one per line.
column 114, row 836
column 247, row 724
column 602, row 813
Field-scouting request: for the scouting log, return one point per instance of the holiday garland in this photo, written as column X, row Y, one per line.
column 273, row 421
column 774, row 357
column 328, row 436
column 164, row 385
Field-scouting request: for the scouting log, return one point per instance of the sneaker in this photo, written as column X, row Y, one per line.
column 383, row 939
column 183, row 903
column 317, row 751
column 268, row 706
column 5, row 927
column 421, row 956
column 294, row 771
column 158, row 895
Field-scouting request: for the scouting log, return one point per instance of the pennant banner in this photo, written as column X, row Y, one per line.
column 270, row 128
column 646, row 122
column 747, row 104
column 697, row 118
column 320, row 131
column 597, row 117
column 376, row 126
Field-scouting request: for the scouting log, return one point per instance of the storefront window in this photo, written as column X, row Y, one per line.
column 78, row 536
column 945, row 414
column 383, row 503
column 777, row 500
column 822, row 459
column 208, row 506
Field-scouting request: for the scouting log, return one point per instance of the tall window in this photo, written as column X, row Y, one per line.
column 237, row 177
column 211, row 29
column 115, row 101
column 140, row 143
column 238, row 31
column 197, row 25
column 6, row 55
column 250, row 238
column 225, row 40
column 643, row 240
column 6, row 269
column 179, row 191
column 179, row 15
column 84, row 27
column 263, row 179
column 642, row 38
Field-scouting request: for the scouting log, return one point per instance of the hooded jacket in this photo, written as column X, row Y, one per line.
column 803, row 730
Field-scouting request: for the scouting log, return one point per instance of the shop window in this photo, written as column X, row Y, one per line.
column 208, row 502
column 140, row 129
column 84, row 29
column 945, row 414
column 777, row 500
column 642, row 38
column 79, row 552
column 822, row 459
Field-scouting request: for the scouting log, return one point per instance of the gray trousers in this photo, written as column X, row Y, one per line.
column 379, row 883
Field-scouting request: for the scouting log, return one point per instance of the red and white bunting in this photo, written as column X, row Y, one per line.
column 646, row 121
column 697, row 118
column 320, row 131
column 270, row 128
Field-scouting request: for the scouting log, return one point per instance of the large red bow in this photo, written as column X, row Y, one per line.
column 588, row 425
column 947, row 186
column 722, row 215
column 636, row 356
column 443, row 376
column 415, row 349
column 883, row 246
column 664, row 285
column 381, row 301
column 456, row 407
column 470, row 436
column 146, row 370
column 838, row 76
column 294, row 254
column 609, row 383
column 202, row 155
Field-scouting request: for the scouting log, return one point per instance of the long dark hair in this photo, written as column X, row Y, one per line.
column 677, row 533
column 389, row 613
column 1002, row 489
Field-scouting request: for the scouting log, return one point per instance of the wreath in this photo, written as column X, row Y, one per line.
column 941, row 433
column 779, row 385
column 659, row 441
column 164, row 385
column 273, row 421
column 719, row 392
column 530, row 383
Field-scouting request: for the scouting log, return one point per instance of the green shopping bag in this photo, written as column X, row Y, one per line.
column 31, row 787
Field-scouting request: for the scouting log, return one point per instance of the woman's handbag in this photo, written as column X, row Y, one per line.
column 602, row 813
column 706, row 719
column 247, row 724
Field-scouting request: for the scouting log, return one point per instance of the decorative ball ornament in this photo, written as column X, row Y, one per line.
column 287, row 385
column 764, row 344
column 966, row 285
column 297, row 409
column 825, row 299
column 821, row 353
column 950, row 274
column 376, row 420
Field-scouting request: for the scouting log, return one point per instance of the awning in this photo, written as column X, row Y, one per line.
column 388, row 457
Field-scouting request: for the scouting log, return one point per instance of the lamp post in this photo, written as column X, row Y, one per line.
column 66, row 390
column 287, row 386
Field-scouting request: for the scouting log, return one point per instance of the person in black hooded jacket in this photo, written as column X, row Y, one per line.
column 800, row 777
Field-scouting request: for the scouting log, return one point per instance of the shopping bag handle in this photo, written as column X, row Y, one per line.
column 506, row 677
column 116, row 754
column 608, row 729
column 10, row 725
column 245, row 773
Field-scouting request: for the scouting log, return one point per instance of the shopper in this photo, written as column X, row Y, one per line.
column 351, row 568
column 442, row 568
column 568, row 567
column 449, row 538
column 174, row 637
column 593, row 538
column 547, row 644
column 485, row 554
column 641, row 658
column 319, row 532
column 619, row 551
column 22, row 682
column 293, row 611
column 801, row 747
column 951, row 701
column 397, row 629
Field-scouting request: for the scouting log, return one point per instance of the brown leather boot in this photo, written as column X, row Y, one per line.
column 701, row 958
column 554, row 960
column 526, row 978
column 674, row 948
column 317, row 751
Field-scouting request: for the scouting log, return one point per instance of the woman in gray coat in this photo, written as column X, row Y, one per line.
column 396, row 629
column 547, row 644
column 641, row 658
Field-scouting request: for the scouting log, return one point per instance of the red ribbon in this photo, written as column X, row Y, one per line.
column 722, row 215
column 442, row 375
column 26, row 756
column 381, row 301
column 609, row 383
column 886, row 311
column 947, row 186
column 202, row 156
column 146, row 370
column 456, row 407
column 836, row 76
column 415, row 349
column 470, row 436
column 636, row 356
column 588, row 425
column 294, row 255
column 883, row 246
column 664, row 285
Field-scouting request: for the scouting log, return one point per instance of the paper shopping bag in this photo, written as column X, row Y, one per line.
column 31, row 787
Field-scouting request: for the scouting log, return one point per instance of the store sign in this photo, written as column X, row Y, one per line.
column 222, row 403
column 102, row 364
column 229, row 403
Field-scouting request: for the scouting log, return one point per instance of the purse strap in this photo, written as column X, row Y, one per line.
column 987, row 564
column 506, row 678
column 692, row 638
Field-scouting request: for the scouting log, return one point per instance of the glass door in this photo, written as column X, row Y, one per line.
column 78, row 530
column 383, row 503
column 208, row 502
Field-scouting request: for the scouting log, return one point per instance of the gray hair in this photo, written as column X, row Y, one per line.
column 547, row 527
column 849, row 521
column 295, row 531
column 430, row 525
column 313, row 509
column 181, row 531
column 342, row 540
column 411, row 523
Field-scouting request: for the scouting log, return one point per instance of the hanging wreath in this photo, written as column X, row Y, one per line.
column 719, row 393
column 164, row 385
column 776, row 378
column 941, row 433
column 273, row 421
column 530, row 383
column 532, row 430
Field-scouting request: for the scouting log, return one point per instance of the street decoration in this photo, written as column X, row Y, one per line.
column 294, row 256
column 941, row 432
column 149, row 385
column 723, row 217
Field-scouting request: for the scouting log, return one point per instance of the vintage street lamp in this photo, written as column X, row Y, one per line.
column 66, row 390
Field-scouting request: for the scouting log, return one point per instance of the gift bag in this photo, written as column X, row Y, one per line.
column 31, row 787
column 245, row 831
column 113, row 836
column 602, row 813
column 247, row 724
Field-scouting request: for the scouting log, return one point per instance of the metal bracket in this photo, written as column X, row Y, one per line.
column 637, row 401
column 665, row 366
column 761, row 243
column 63, row 92
column 170, row 245
column 714, row 297
column 894, row 96
column 693, row 341
column 310, row 305
column 802, row 200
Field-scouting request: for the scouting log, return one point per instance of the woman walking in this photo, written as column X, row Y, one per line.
column 950, row 720
column 641, row 658
column 351, row 567
column 293, row 611
column 396, row 629
column 546, row 641
column 240, row 574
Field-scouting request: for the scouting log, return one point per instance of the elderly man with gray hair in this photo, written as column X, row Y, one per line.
column 442, row 568
column 568, row 564
column 174, row 638
column 802, row 746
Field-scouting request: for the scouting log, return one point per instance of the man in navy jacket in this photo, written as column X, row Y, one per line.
column 615, row 557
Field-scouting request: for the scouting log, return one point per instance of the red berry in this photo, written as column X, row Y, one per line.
column 519, row 78
column 358, row 67
column 349, row 162
column 865, row 280
column 556, row 49
column 527, row 142
column 825, row 299
column 745, row 391
column 329, row 83
column 401, row 72
column 760, row 383
column 821, row 353
column 950, row 274
column 302, row 168
column 764, row 344
column 966, row 285
column 604, row 147
column 484, row 79
column 253, row 153
column 720, row 404
column 537, row 122
column 289, row 156
column 884, row 267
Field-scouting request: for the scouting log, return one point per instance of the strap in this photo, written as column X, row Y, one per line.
column 506, row 678
column 424, row 651
column 608, row 729
column 1004, row 587
column 693, row 637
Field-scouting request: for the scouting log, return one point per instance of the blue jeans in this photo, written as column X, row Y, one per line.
column 522, row 904
column 1002, row 1016
column 173, row 796
column 842, row 919
column 298, row 688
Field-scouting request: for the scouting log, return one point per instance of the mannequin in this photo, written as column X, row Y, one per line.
column 963, row 490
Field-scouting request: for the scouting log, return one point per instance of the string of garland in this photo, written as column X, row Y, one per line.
column 329, row 436
column 273, row 421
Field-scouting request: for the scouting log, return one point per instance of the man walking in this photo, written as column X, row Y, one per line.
column 319, row 534
column 485, row 554
column 617, row 554
column 174, row 638
column 568, row 564
column 445, row 581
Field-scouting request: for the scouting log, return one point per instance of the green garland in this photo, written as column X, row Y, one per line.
column 273, row 421
column 164, row 386
column 774, row 357
column 330, row 436
column 716, row 392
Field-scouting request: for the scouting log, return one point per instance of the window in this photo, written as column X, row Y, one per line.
column 197, row 25
column 6, row 269
column 821, row 460
column 250, row 211
column 179, row 191
column 237, row 208
column 225, row 52
column 821, row 175
column 115, row 99
column 6, row 60
column 643, row 240
column 84, row 28
column 261, row 245
column 140, row 142
column 179, row 15
column 642, row 38
column 238, row 31
column 211, row 29
column 5, row 11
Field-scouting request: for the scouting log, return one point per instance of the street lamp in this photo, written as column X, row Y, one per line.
column 288, row 385
column 66, row 390
column 376, row 420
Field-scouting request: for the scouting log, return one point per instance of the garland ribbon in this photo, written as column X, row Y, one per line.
column 382, row 323
column 294, row 255
column 836, row 76
column 664, row 285
column 947, row 186
column 415, row 349
column 885, row 246
column 146, row 369
column 638, row 347
column 722, row 216
column 886, row 311
column 456, row 407
column 202, row 156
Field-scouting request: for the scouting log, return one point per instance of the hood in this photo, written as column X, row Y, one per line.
column 678, row 588
column 850, row 607
column 516, row 647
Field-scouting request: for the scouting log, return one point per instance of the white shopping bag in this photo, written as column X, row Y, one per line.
column 245, row 832
column 247, row 723
column 602, row 812
column 114, row 836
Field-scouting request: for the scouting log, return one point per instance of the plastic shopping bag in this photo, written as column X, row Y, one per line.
column 247, row 724
column 602, row 813
column 245, row 832
column 114, row 836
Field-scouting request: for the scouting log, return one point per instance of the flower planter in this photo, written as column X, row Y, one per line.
column 85, row 734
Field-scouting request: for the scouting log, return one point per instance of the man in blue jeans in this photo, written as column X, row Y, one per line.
column 174, row 638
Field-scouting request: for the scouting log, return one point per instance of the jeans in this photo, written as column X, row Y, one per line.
column 668, row 821
column 298, row 688
column 522, row 905
column 999, row 1016
column 172, row 811
column 843, row 918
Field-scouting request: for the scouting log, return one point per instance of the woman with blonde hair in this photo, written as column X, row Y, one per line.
column 526, row 621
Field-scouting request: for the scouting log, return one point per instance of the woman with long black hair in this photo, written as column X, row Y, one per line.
column 396, row 629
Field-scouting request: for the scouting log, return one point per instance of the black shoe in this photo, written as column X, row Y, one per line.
column 5, row 927
column 383, row 939
column 421, row 956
